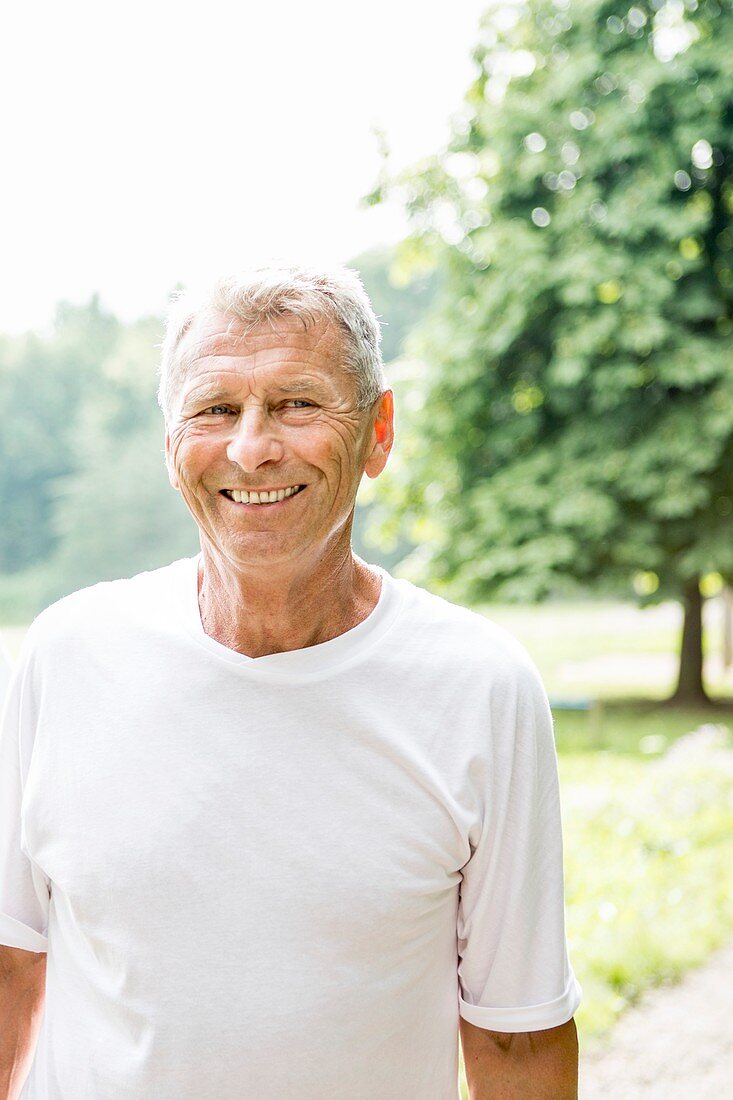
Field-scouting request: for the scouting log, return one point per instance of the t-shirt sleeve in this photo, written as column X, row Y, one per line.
column 513, row 966
column 24, row 890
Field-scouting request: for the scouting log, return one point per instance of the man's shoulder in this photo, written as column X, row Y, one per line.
column 107, row 603
column 474, row 639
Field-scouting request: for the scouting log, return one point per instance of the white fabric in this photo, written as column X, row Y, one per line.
column 5, row 667
column 279, row 877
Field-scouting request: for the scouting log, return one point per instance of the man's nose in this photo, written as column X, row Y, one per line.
column 255, row 439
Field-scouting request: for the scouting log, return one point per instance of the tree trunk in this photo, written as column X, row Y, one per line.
column 690, row 689
column 727, row 628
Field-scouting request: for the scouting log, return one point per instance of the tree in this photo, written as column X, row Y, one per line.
column 42, row 383
column 84, row 494
column 399, row 295
column 577, row 400
column 115, row 514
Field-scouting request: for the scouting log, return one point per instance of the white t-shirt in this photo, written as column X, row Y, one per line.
column 283, row 877
column 5, row 668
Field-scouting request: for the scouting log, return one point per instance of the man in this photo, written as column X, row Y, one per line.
column 278, row 820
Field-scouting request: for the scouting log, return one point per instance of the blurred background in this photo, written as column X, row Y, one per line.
column 539, row 199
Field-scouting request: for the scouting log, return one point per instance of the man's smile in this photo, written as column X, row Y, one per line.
column 262, row 496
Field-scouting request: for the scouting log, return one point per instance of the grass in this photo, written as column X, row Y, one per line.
column 637, row 727
column 613, row 651
column 648, row 868
column 625, row 658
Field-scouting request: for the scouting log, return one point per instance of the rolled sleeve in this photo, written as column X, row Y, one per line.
column 528, row 1017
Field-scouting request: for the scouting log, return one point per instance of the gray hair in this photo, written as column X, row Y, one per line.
column 264, row 294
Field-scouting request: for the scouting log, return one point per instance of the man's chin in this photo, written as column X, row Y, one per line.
column 256, row 549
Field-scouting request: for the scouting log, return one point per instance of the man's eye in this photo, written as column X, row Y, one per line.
column 297, row 403
column 218, row 410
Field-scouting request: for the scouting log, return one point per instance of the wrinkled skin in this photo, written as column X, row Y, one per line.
column 267, row 410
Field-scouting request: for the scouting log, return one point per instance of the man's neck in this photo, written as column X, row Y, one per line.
column 292, row 607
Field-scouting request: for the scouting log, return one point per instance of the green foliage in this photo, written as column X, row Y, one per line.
column 400, row 296
column 42, row 383
column 22, row 594
column 116, row 514
column 575, row 418
column 83, row 491
column 648, row 868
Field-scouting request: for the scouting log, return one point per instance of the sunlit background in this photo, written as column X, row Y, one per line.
column 539, row 199
column 168, row 142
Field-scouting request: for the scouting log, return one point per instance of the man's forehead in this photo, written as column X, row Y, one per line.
column 220, row 334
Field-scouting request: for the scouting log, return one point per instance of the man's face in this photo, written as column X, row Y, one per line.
column 271, row 412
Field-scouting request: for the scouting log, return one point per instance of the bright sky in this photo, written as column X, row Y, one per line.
column 150, row 143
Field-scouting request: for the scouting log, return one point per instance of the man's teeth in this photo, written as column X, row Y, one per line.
column 243, row 497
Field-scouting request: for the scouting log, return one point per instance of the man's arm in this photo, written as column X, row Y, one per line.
column 22, row 991
column 531, row 1065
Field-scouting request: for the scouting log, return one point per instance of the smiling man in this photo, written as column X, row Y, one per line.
column 268, row 436
column 275, row 825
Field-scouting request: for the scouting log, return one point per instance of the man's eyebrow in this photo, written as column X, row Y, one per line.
column 210, row 393
column 299, row 385
column 225, row 393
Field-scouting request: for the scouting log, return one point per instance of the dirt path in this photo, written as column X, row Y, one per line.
column 676, row 1044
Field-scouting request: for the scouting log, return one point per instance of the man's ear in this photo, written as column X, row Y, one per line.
column 382, row 435
column 172, row 476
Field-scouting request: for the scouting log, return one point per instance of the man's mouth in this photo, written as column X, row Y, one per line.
column 261, row 496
